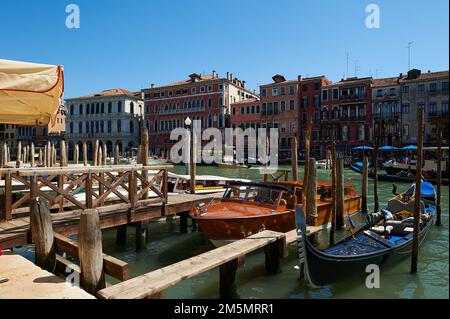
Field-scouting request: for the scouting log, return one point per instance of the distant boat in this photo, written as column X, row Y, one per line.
column 231, row 165
column 204, row 184
column 323, row 164
column 384, row 241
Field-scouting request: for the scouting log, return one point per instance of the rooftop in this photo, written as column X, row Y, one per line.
column 246, row 101
column 111, row 92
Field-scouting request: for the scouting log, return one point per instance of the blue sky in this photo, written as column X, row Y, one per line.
column 133, row 43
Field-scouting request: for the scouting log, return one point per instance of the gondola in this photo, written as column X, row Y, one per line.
column 396, row 178
column 386, row 239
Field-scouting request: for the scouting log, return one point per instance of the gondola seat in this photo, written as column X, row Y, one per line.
column 381, row 230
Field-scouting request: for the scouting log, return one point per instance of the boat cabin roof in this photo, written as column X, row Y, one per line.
column 319, row 184
column 264, row 185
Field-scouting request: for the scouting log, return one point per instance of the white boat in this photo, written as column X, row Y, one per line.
column 323, row 164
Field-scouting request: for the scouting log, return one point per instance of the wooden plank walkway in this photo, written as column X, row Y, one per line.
column 14, row 233
column 24, row 280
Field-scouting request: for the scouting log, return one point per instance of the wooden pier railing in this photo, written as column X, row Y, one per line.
column 126, row 186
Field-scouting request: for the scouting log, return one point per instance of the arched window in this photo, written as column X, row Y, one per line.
column 92, row 108
column 71, row 127
column 132, row 108
column 97, row 127
column 88, row 108
column 189, row 104
column 102, row 108
column 119, row 125
column 80, row 109
column 210, row 121
column 335, row 112
column 221, row 101
column 242, row 110
column 131, row 126
column 209, row 102
column 97, row 108
column 109, row 107
column 87, row 127
column 71, row 109
column 80, row 127
column 324, row 113
column 202, row 104
column 109, row 128
column 119, row 107
column 102, row 126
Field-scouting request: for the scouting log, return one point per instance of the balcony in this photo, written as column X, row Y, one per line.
column 100, row 135
column 388, row 115
column 352, row 97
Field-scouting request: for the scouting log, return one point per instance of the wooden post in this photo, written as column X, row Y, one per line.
column 227, row 278
column 49, row 154
column 141, row 234
column 183, row 221
column 340, row 193
column 41, row 159
column 439, row 178
column 25, row 154
column 76, row 154
column 42, row 234
column 85, row 159
column 294, row 160
column 99, row 156
column 144, row 156
column 192, row 168
column 88, row 190
column 8, row 153
column 32, row 154
column 90, row 251
column 418, row 189
column 307, row 155
column 333, row 192
column 44, row 163
column 266, row 156
column 375, row 169
column 365, row 184
column 8, row 196
column 104, row 153
column 5, row 155
column 53, row 156
column 121, row 235
column 95, row 154
column 116, row 155
column 62, row 154
column 18, row 153
column 311, row 193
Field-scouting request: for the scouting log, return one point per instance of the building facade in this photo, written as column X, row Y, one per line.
column 8, row 135
column 346, row 113
column 206, row 98
column 112, row 116
column 310, row 101
column 429, row 91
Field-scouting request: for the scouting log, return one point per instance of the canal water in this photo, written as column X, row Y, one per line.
column 168, row 245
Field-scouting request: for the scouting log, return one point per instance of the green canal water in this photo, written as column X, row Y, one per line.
column 168, row 245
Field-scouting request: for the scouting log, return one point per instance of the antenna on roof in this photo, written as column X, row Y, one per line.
column 409, row 54
column 348, row 57
column 357, row 67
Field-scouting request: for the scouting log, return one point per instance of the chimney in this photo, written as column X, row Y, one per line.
column 299, row 78
column 152, row 85
column 231, row 76
column 228, row 75
column 243, row 84
column 213, row 74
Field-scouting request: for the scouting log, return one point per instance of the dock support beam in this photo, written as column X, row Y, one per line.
column 141, row 235
column 183, row 222
column 227, row 278
column 121, row 235
column 273, row 254
column 294, row 161
column 42, row 234
column 90, row 252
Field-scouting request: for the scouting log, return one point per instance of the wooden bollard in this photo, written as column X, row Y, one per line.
column 18, row 153
column 49, row 154
column 100, row 156
column 116, row 155
column 8, row 153
column 45, row 162
column 5, row 154
column 294, row 160
column 417, row 191
column 41, row 159
column 32, row 154
column 333, row 192
column 365, row 184
column 95, row 154
column 90, row 251
column 192, row 164
column 311, row 193
column 307, row 156
column 340, row 193
column 85, row 160
column 53, row 155
column 76, row 154
column 63, row 154
column 227, row 279
column 104, row 153
column 439, row 178
column 375, row 169
column 42, row 234
column 25, row 154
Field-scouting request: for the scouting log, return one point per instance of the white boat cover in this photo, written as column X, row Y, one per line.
column 30, row 94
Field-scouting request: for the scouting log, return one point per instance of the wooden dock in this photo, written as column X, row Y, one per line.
column 21, row 279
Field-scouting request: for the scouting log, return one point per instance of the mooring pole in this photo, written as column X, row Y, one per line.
column 76, row 154
column 192, row 161
column 333, row 192
column 418, row 189
column 18, row 153
column 365, row 184
column 95, row 153
column 32, row 154
column 307, row 156
column 439, row 178
column 85, row 160
column 116, row 155
column 339, row 192
column 311, row 193
column 375, row 169
column 294, row 161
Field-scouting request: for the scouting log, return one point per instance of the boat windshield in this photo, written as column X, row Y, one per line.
column 253, row 194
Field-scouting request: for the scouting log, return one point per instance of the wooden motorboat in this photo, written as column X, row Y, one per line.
column 383, row 241
column 248, row 208
column 204, row 184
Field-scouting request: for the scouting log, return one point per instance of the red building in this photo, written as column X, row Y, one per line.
column 309, row 97
column 346, row 112
column 201, row 97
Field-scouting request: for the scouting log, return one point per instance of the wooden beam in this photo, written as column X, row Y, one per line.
column 113, row 266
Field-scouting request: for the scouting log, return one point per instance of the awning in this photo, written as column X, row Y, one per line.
column 362, row 148
column 30, row 94
column 409, row 148
column 387, row 148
